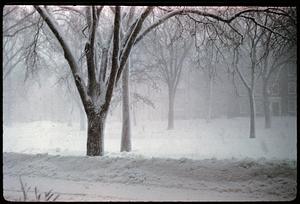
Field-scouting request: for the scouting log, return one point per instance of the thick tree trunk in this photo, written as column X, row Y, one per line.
column 126, row 133
column 209, row 99
column 95, row 135
column 252, row 114
column 266, row 105
column 171, row 109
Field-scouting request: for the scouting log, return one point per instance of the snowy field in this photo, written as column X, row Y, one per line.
column 194, row 139
column 196, row 161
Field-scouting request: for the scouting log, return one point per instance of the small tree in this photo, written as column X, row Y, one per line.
column 248, row 68
column 277, row 52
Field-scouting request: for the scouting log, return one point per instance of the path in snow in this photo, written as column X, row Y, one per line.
column 133, row 177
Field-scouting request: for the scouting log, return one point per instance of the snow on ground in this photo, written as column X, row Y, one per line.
column 197, row 161
column 133, row 177
column 193, row 139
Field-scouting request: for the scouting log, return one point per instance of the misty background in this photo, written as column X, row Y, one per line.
column 166, row 103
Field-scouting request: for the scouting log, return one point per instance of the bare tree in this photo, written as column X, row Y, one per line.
column 96, row 95
column 169, row 51
column 278, row 52
column 104, row 71
column 208, row 57
column 126, row 126
column 16, row 20
column 249, row 69
column 17, row 25
column 210, row 71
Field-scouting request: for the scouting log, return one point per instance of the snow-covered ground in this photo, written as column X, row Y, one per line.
column 195, row 161
column 193, row 139
column 133, row 177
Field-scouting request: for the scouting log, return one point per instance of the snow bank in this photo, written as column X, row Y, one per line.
column 151, row 179
column 195, row 139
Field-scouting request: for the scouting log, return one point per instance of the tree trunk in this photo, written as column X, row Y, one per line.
column 266, row 105
column 252, row 114
column 209, row 99
column 126, row 133
column 171, row 109
column 134, row 115
column 95, row 135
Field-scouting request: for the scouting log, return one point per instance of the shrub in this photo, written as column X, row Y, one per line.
column 48, row 196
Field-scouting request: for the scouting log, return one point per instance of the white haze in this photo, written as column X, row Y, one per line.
column 207, row 156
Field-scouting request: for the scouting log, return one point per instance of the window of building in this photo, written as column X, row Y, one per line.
column 291, row 87
column 292, row 106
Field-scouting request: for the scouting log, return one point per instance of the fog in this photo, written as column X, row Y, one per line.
column 157, row 82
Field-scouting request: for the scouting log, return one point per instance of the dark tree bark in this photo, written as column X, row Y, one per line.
column 95, row 134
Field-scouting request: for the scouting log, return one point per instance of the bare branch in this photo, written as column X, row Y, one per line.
column 115, row 64
column 19, row 30
column 265, row 27
column 9, row 11
column 19, row 22
column 67, row 53
column 131, row 40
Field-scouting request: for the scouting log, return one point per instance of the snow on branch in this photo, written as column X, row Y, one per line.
column 59, row 35
column 131, row 40
column 67, row 51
